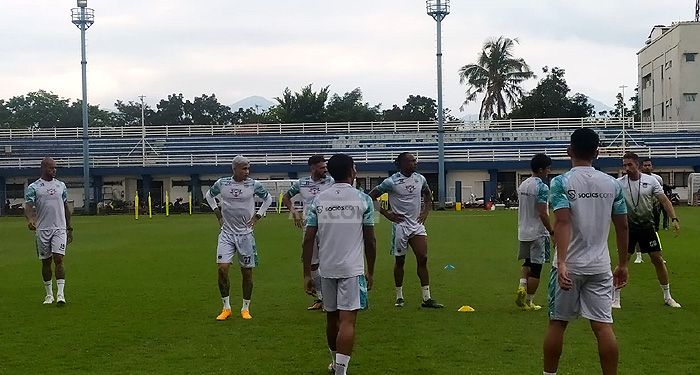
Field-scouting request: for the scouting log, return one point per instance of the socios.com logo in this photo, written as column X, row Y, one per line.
column 588, row 195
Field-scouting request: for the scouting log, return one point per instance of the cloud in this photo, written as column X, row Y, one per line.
column 387, row 48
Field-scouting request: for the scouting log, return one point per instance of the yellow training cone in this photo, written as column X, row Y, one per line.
column 466, row 308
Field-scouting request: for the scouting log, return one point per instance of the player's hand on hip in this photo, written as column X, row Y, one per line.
column 309, row 285
column 394, row 217
column 31, row 225
column 298, row 219
column 563, row 279
column 620, row 276
column 423, row 217
column 370, row 280
column 253, row 221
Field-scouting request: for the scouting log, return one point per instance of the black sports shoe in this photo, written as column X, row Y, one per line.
column 432, row 304
column 399, row 302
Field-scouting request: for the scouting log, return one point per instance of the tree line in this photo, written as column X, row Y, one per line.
column 43, row 109
column 496, row 78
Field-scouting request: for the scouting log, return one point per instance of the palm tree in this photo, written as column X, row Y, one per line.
column 498, row 75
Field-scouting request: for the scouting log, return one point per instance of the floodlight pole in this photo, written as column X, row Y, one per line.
column 439, row 9
column 624, row 135
column 83, row 17
column 143, row 132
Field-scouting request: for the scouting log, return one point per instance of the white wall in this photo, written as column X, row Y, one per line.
column 473, row 179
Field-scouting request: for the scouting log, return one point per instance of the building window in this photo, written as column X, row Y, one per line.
column 669, row 102
column 690, row 97
column 14, row 191
column 665, row 177
column 689, row 57
column 646, row 81
column 680, row 179
column 669, row 64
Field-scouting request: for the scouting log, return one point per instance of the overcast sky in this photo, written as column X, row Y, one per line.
column 237, row 48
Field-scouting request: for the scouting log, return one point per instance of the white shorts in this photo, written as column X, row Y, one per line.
column 348, row 294
column 314, row 255
column 241, row 244
column 401, row 233
column 537, row 251
column 590, row 297
column 49, row 242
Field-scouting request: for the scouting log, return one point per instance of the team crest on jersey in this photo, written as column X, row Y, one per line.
column 314, row 190
column 410, row 188
column 51, row 191
column 236, row 192
column 645, row 185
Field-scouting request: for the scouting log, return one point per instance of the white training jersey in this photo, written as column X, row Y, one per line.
column 593, row 197
column 531, row 193
column 641, row 198
column 405, row 194
column 49, row 198
column 340, row 213
column 308, row 188
column 237, row 200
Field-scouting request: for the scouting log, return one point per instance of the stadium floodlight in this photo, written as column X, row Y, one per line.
column 439, row 9
column 83, row 17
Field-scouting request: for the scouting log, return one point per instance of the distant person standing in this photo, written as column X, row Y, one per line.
column 584, row 201
column 341, row 221
column 237, row 218
column 534, row 230
column 308, row 188
column 641, row 191
column 409, row 200
column 46, row 209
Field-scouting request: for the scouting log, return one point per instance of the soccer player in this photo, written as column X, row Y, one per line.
column 641, row 190
column 308, row 188
column 408, row 214
column 341, row 220
column 47, row 213
column 237, row 218
column 647, row 168
column 584, row 201
column 534, row 230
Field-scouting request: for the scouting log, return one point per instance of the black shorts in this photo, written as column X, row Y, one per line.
column 647, row 239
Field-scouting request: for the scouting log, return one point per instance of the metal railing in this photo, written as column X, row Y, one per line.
column 349, row 128
column 428, row 154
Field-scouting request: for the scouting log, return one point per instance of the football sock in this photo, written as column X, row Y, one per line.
column 426, row 292
column 227, row 304
column 341, row 364
column 60, row 283
column 667, row 291
column 49, row 290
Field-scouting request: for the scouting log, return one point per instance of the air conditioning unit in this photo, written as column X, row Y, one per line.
column 8, row 150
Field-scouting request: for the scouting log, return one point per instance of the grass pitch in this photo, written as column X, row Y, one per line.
column 142, row 297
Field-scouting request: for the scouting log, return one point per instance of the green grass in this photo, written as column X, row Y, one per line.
column 142, row 299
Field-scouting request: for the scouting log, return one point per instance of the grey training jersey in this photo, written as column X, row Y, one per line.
column 593, row 197
column 340, row 213
column 49, row 198
column 640, row 196
column 237, row 202
column 405, row 194
column 309, row 189
column 530, row 193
